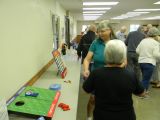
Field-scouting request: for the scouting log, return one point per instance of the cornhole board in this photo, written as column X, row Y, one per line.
column 42, row 105
column 62, row 69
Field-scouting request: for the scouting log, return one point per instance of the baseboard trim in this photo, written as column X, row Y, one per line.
column 39, row 74
column 32, row 80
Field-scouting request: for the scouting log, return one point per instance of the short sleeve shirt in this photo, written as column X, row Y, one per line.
column 97, row 47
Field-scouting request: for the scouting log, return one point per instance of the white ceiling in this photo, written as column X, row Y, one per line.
column 124, row 6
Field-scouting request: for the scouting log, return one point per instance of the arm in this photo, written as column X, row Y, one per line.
column 124, row 64
column 139, row 89
column 86, row 63
column 88, row 85
column 88, row 59
column 156, row 51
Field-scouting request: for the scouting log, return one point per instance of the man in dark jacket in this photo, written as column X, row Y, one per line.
column 132, row 41
column 86, row 41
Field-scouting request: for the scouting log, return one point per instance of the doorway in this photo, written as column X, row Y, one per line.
column 55, row 28
column 67, row 31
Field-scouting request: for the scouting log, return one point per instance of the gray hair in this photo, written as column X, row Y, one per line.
column 115, row 52
column 149, row 26
column 140, row 28
column 92, row 28
column 153, row 32
column 123, row 28
column 105, row 24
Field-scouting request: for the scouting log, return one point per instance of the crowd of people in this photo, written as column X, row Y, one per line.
column 115, row 66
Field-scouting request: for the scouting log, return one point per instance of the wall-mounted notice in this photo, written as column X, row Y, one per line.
column 3, row 110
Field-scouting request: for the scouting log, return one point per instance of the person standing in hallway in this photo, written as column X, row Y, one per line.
column 96, row 54
column 132, row 41
column 146, row 29
column 148, row 51
column 86, row 41
column 149, row 26
column 121, row 34
column 113, row 85
column 156, row 73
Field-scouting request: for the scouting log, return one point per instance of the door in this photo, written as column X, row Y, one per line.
column 67, row 31
column 55, row 28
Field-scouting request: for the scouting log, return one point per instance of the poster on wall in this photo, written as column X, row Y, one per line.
column 62, row 69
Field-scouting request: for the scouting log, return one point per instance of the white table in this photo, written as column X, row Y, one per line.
column 69, row 92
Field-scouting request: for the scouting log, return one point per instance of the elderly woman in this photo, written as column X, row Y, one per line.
column 113, row 85
column 96, row 54
column 149, row 54
column 156, row 73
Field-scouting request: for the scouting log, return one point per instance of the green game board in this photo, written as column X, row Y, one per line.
column 42, row 105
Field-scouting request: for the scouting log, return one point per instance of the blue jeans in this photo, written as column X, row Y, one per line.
column 147, row 71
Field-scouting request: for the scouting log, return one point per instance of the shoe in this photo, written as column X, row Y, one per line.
column 154, row 82
column 156, row 86
column 145, row 97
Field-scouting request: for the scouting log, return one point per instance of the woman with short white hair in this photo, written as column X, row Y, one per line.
column 96, row 54
column 113, row 85
column 148, row 51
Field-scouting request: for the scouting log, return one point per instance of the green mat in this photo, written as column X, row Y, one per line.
column 34, row 106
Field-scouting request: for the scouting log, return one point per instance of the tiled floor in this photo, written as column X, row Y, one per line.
column 146, row 109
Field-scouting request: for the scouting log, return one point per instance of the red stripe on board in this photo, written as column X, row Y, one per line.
column 54, row 103
column 64, row 73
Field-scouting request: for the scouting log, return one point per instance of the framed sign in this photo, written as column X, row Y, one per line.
column 62, row 69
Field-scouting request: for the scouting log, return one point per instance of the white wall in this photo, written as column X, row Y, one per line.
column 73, row 27
column 26, row 40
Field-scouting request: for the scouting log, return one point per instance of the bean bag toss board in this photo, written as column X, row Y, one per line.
column 42, row 105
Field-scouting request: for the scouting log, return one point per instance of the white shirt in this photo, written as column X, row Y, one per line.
column 149, row 51
column 120, row 36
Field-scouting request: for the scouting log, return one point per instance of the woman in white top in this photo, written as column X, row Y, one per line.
column 149, row 53
column 156, row 73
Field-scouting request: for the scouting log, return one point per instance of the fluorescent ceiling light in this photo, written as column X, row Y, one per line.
column 129, row 14
column 147, row 10
column 119, row 18
column 90, row 17
column 94, row 11
column 116, row 18
column 138, row 12
column 153, row 18
column 92, row 14
column 99, row 3
column 106, row 8
column 157, row 2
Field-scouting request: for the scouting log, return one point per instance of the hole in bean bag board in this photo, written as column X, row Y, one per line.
column 19, row 103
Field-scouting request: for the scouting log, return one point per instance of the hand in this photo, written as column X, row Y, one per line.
column 86, row 73
column 124, row 64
